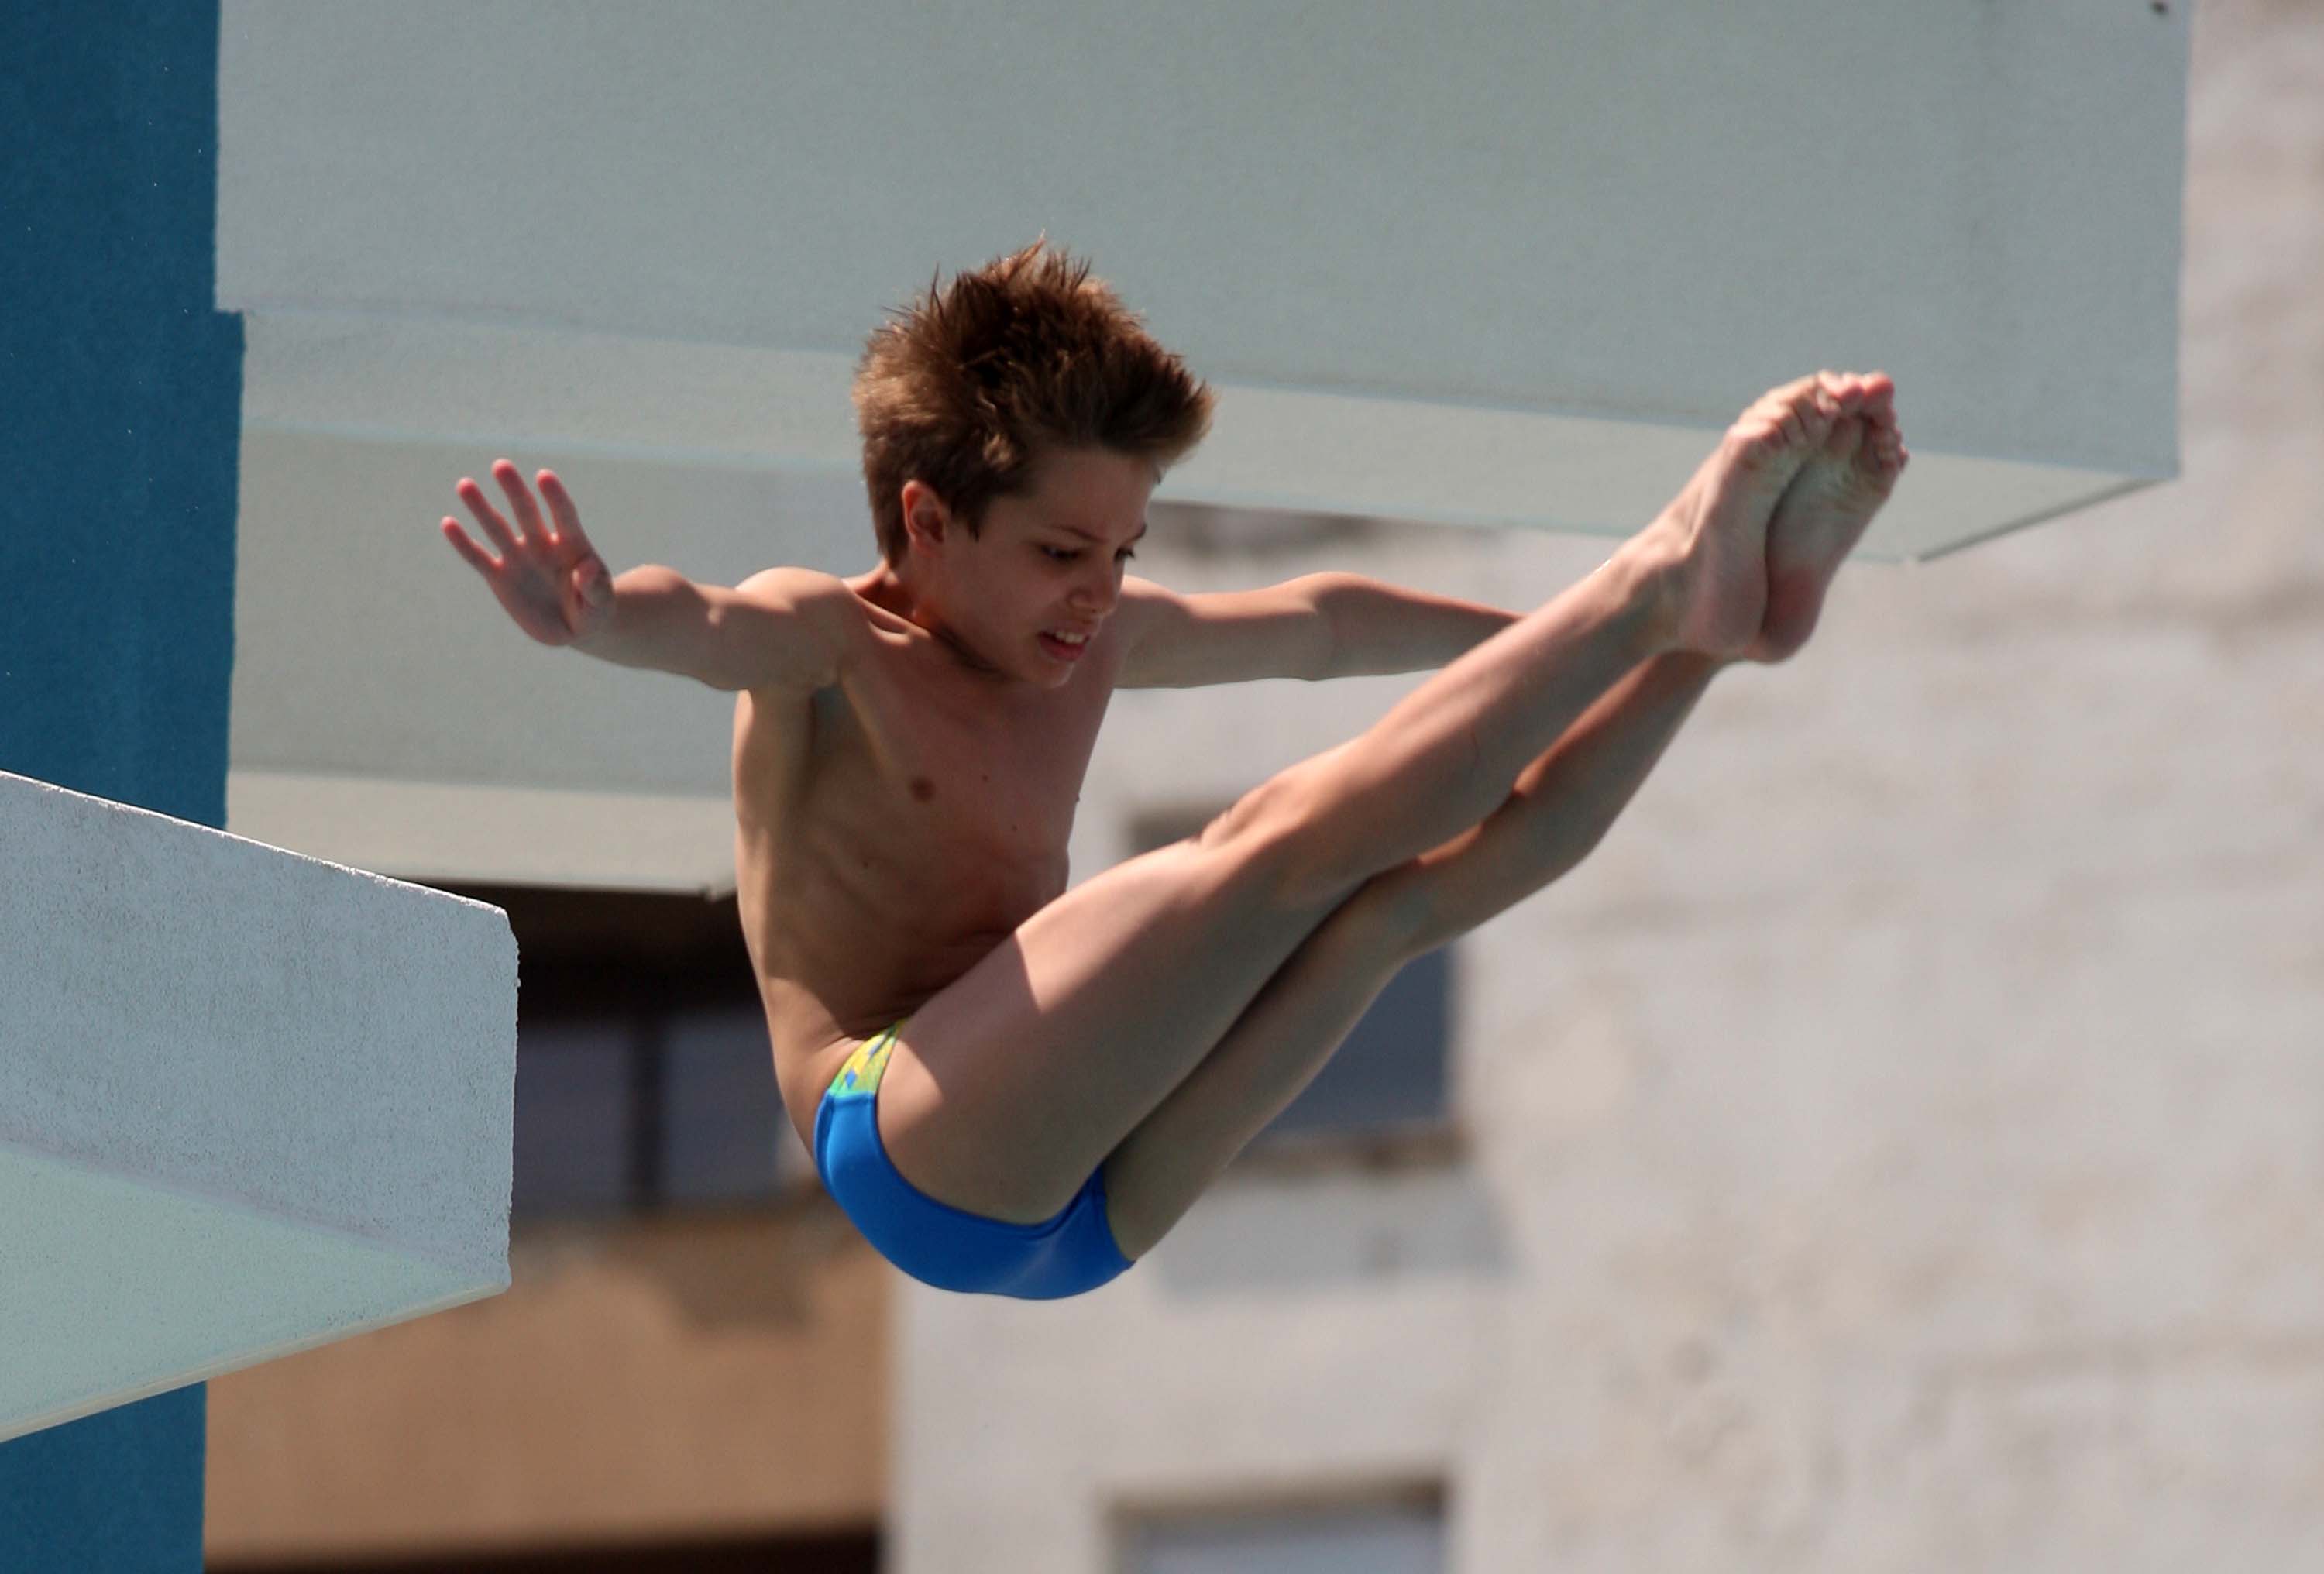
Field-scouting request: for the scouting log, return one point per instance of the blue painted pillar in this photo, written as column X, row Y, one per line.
column 120, row 421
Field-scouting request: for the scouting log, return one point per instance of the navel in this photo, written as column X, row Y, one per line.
column 923, row 790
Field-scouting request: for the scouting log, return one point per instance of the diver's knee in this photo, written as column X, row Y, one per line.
column 1278, row 839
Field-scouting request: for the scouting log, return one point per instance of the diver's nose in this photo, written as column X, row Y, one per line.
column 1097, row 598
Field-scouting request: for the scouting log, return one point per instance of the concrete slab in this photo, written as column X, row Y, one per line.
column 250, row 1102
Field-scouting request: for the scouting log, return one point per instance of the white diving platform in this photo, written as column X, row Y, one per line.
column 250, row 1102
column 1479, row 263
column 1482, row 261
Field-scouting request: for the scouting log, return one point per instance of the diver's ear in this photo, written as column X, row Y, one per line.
column 927, row 520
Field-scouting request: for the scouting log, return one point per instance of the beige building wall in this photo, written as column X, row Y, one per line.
column 1899, row 1148
column 641, row 1384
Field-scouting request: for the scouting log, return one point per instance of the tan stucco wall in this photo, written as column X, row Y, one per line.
column 662, row 1379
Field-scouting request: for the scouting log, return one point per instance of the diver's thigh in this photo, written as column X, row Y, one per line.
column 1009, row 1087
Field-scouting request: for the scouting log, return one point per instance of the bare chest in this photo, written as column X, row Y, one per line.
column 891, row 830
column 983, row 788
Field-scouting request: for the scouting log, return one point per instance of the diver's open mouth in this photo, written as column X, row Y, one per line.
column 1062, row 648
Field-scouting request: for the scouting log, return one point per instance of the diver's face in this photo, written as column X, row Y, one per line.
column 1047, row 566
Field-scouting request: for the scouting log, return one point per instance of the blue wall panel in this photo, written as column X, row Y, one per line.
column 120, row 416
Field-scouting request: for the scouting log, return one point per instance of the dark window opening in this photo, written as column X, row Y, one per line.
column 645, row 1078
column 836, row 1552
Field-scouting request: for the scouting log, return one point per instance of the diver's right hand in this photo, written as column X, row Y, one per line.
column 554, row 585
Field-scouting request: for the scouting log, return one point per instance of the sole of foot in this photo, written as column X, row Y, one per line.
column 1716, row 530
column 1826, row 508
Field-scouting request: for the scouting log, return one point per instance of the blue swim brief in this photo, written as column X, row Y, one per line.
column 940, row 1245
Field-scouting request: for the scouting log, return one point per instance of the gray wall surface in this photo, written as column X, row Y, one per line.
column 1898, row 1146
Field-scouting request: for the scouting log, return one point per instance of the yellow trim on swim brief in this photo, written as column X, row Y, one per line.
column 868, row 1064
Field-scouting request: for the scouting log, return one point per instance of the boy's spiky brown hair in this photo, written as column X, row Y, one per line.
column 962, row 390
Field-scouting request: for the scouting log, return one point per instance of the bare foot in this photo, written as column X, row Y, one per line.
column 1715, row 530
column 1819, row 521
